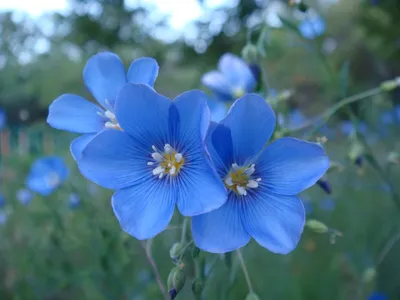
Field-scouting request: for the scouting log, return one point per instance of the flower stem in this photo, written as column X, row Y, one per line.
column 184, row 230
column 147, row 250
column 245, row 272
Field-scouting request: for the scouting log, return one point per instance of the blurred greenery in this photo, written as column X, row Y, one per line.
column 50, row 251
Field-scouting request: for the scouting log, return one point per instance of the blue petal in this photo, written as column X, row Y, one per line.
column 75, row 114
column 194, row 117
column 104, row 76
column 289, row 166
column 199, row 188
column 143, row 114
column 275, row 222
column 144, row 210
column 112, row 160
column 79, row 144
column 220, row 147
column 237, row 71
column 218, row 84
column 252, row 122
column 221, row 230
column 143, row 70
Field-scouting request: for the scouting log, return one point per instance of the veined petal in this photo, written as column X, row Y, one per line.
column 73, row 113
column 79, row 144
column 198, row 187
column 251, row 121
column 104, row 76
column 220, row 147
column 194, row 118
column 143, row 70
column 145, row 209
column 112, row 160
column 221, row 230
column 143, row 114
column 218, row 84
column 289, row 166
column 274, row 221
column 237, row 72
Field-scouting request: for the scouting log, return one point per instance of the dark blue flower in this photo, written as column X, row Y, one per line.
column 232, row 79
column 24, row 196
column 73, row 201
column 104, row 76
column 312, row 28
column 46, row 175
column 262, row 182
column 3, row 119
column 377, row 296
column 157, row 161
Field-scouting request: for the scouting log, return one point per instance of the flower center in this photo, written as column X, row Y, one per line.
column 108, row 114
column 239, row 179
column 238, row 92
column 167, row 162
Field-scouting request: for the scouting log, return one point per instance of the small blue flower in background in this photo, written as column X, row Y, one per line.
column 312, row 28
column 3, row 217
column 2, row 201
column 396, row 110
column 74, row 201
column 377, row 296
column 295, row 119
column 24, row 196
column 46, row 175
column 388, row 117
column 3, row 119
column 218, row 110
column 327, row 204
column 262, row 182
column 104, row 76
column 348, row 128
column 157, row 161
column 232, row 80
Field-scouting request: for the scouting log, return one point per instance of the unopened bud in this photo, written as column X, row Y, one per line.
column 356, row 153
column 250, row 53
column 176, row 281
column 390, row 85
column 317, row 226
column 197, row 287
column 302, row 7
column 175, row 251
column 324, row 184
column 228, row 259
column 195, row 252
column 394, row 158
column 369, row 275
column 252, row 296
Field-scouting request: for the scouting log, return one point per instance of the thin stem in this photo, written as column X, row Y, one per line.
column 389, row 245
column 184, row 230
column 245, row 272
column 156, row 273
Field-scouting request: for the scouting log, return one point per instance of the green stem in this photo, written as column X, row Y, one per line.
column 184, row 230
column 245, row 272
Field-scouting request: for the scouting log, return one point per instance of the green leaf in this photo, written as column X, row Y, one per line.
column 290, row 25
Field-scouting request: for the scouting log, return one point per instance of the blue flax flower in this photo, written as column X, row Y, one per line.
column 24, row 196
column 348, row 128
column 104, row 76
column 312, row 28
column 46, row 175
column 157, row 161
column 377, row 296
column 3, row 119
column 2, row 201
column 232, row 80
column 262, row 182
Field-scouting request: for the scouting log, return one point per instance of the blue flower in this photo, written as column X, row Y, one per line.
column 233, row 79
column 312, row 28
column 3, row 119
column 104, row 76
column 396, row 110
column 388, row 117
column 24, row 196
column 348, row 128
column 46, row 175
column 157, row 161
column 2, row 201
column 262, row 182
column 377, row 296
column 73, row 201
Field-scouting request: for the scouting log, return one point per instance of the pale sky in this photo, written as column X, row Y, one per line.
column 181, row 12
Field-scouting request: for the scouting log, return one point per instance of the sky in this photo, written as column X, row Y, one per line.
column 181, row 12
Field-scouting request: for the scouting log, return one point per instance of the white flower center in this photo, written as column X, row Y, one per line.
column 168, row 162
column 239, row 179
column 108, row 114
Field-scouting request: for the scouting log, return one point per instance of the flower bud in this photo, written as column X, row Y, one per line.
column 317, row 226
column 390, row 85
column 176, row 281
column 250, row 53
column 302, row 7
column 324, row 184
column 369, row 275
column 356, row 153
column 195, row 252
column 175, row 251
column 197, row 287
column 252, row 296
